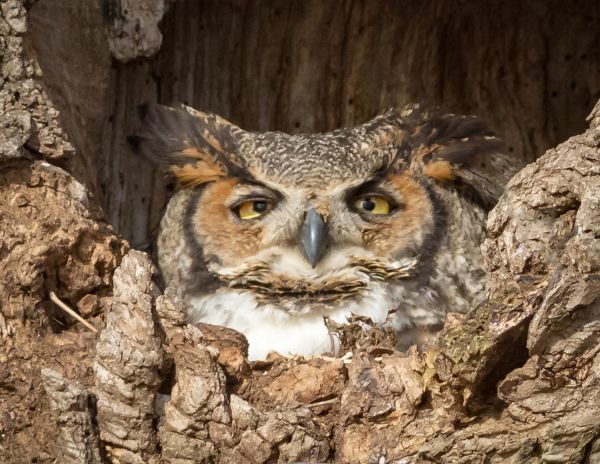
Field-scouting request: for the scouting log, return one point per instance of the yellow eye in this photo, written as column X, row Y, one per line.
column 373, row 204
column 253, row 209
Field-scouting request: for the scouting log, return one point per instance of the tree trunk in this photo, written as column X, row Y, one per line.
column 514, row 380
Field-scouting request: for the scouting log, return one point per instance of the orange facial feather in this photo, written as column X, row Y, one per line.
column 404, row 229
column 193, row 152
column 439, row 170
column 218, row 234
column 191, row 175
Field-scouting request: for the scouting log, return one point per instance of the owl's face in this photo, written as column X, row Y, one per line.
column 313, row 220
column 310, row 224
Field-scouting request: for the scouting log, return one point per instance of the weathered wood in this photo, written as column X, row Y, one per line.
column 78, row 440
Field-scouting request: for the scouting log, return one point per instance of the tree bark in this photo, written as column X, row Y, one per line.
column 514, row 380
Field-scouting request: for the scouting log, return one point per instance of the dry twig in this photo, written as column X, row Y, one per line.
column 70, row 312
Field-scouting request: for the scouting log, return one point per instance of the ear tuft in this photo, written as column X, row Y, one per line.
column 196, row 147
column 463, row 149
column 451, row 137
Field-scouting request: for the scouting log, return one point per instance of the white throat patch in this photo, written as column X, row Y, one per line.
column 270, row 328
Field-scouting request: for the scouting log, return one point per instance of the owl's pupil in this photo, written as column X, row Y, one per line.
column 260, row 206
column 368, row 204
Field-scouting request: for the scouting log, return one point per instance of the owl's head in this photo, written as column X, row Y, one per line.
column 310, row 222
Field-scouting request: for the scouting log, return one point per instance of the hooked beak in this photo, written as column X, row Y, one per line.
column 314, row 237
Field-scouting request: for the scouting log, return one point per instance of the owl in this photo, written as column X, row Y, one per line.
column 273, row 234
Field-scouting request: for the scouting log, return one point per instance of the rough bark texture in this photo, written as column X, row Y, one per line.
column 28, row 118
column 52, row 238
column 78, row 439
column 128, row 362
column 515, row 380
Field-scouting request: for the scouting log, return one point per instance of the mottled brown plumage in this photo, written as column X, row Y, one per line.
column 271, row 232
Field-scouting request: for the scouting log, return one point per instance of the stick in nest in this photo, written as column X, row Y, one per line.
column 70, row 312
column 323, row 403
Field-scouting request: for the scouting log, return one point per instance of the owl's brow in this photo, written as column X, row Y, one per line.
column 377, row 176
column 372, row 181
column 251, row 181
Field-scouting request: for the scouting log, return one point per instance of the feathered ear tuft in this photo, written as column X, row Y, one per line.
column 196, row 147
column 457, row 148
